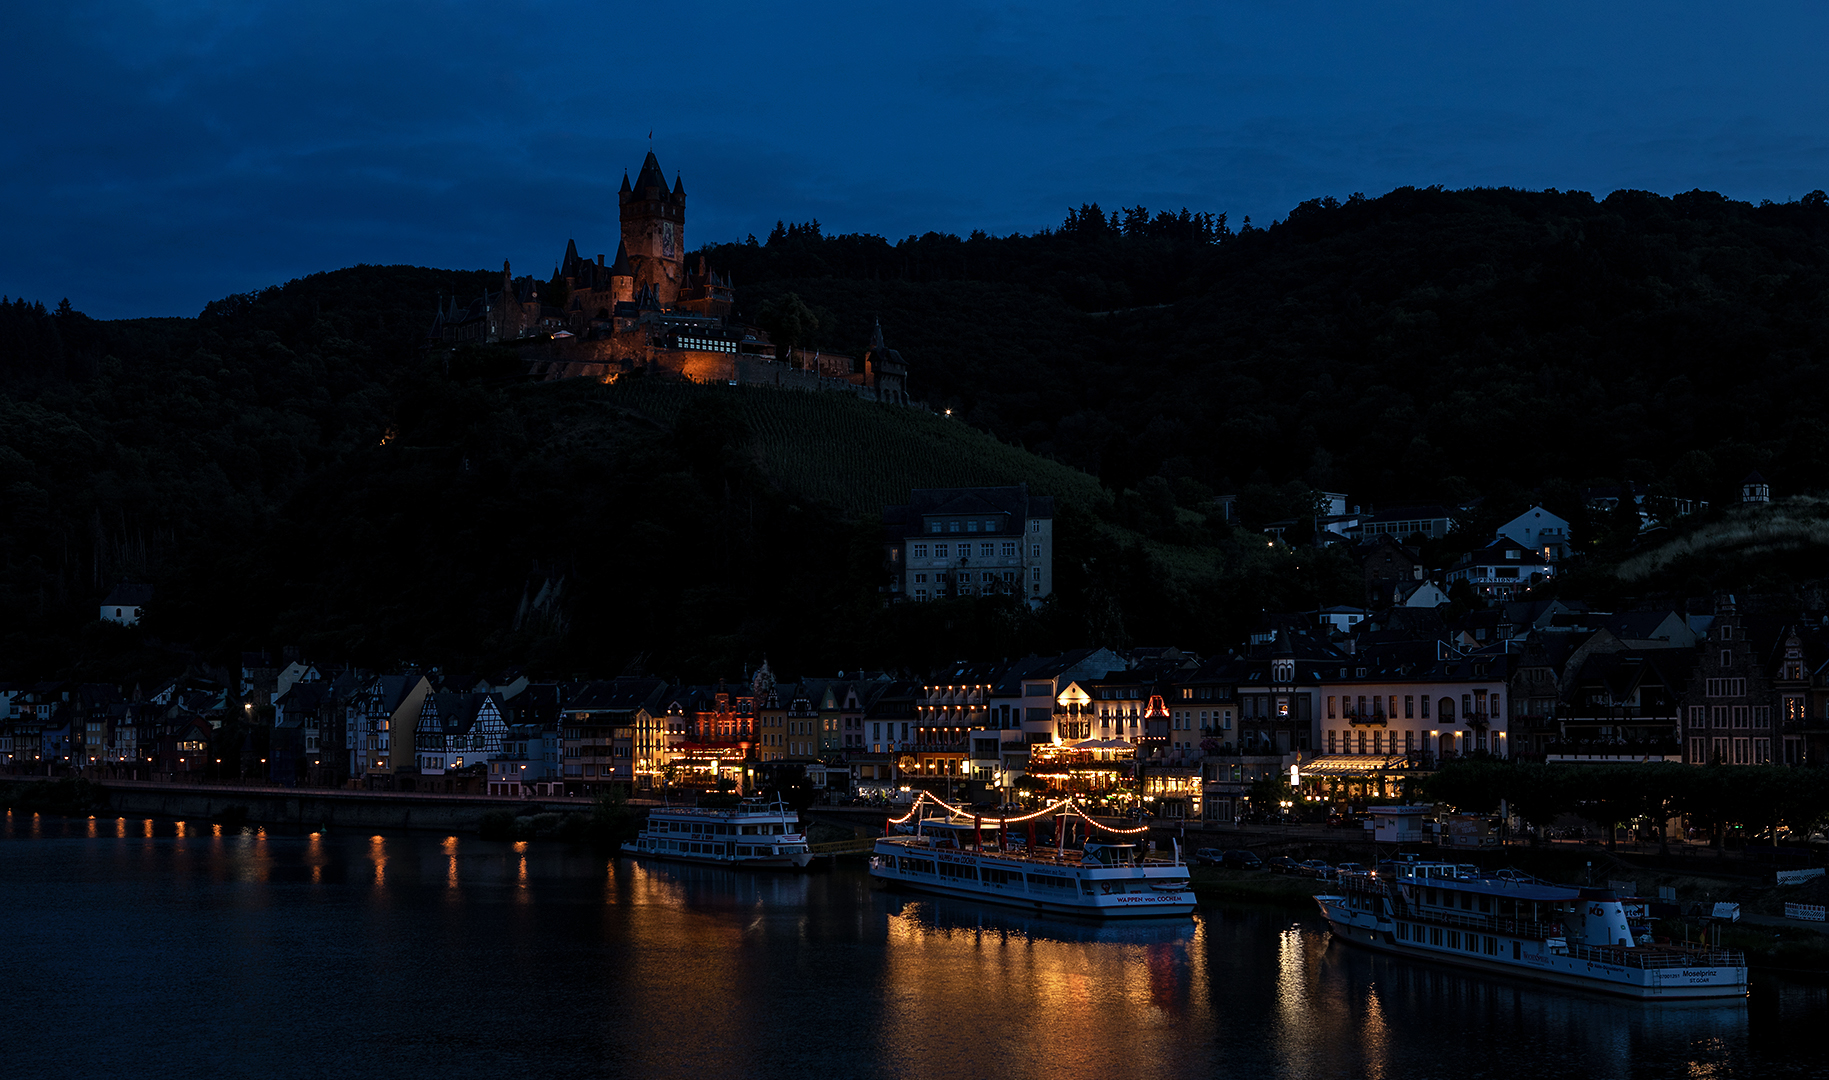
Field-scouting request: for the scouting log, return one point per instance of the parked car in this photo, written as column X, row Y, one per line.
column 1350, row 868
column 1208, row 856
column 1314, row 868
column 1240, row 859
column 1280, row 864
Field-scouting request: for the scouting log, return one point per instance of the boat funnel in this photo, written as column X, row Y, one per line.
column 1602, row 919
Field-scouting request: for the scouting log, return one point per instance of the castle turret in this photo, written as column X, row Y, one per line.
column 622, row 276
column 654, row 230
column 569, row 266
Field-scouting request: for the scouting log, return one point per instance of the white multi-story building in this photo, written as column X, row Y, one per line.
column 958, row 542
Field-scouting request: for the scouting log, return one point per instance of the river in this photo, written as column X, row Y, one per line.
column 143, row 948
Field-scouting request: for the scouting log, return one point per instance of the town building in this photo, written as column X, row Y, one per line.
column 1432, row 522
column 1729, row 702
column 948, row 543
column 1541, row 531
column 1502, row 570
column 124, row 604
column 598, row 724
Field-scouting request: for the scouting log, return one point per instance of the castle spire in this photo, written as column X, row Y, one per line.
column 651, row 176
column 876, row 336
column 679, row 188
column 621, row 267
column 625, row 182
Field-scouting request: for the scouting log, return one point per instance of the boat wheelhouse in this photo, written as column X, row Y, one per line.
column 752, row 834
column 960, row 854
column 1588, row 938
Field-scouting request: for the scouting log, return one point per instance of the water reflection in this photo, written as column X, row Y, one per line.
column 979, row 974
column 576, row 964
column 1384, row 1016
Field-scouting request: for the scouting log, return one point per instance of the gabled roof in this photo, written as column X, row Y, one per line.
column 1644, row 626
column 1496, row 553
column 968, row 503
column 128, row 596
column 616, row 695
column 1015, row 501
column 1536, row 516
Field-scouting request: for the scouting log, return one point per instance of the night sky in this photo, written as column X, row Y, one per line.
column 160, row 155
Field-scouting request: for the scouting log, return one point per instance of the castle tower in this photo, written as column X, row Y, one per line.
column 884, row 370
column 622, row 276
column 654, row 231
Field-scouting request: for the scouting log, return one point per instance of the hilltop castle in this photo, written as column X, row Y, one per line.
column 648, row 311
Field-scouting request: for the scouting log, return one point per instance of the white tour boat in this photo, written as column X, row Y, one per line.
column 752, row 834
column 1550, row 933
column 975, row 856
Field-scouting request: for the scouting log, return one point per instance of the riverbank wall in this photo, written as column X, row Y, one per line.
column 313, row 808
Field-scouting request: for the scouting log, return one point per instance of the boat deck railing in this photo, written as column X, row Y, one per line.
column 1489, row 924
column 1068, row 857
column 724, row 812
column 1658, row 956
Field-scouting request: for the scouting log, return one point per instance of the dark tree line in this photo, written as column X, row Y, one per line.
column 1427, row 344
column 291, row 467
column 1751, row 803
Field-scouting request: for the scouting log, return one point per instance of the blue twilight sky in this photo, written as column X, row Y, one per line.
column 158, row 155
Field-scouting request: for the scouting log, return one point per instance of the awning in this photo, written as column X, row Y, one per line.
column 1354, row 765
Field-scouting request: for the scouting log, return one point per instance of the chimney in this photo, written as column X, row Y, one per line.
column 600, row 259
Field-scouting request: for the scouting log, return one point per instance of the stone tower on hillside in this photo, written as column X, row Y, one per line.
column 654, row 231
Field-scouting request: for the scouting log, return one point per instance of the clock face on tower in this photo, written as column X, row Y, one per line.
column 666, row 239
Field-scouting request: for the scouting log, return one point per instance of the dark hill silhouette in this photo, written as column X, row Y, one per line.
column 290, row 467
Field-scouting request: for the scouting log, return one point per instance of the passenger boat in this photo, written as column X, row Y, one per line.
column 972, row 856
column 753, row 834
column 1580, row 937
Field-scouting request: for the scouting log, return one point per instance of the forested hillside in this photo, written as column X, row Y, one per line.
column 291, row 467
column 1422, row 344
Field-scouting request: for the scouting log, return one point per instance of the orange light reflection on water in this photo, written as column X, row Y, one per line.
column 1068, row 996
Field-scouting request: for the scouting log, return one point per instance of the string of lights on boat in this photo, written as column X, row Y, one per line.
column 1056, row 806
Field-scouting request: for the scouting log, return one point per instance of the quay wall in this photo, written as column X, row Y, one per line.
column 314, row 808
